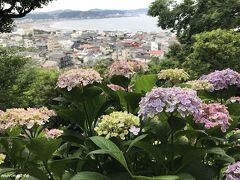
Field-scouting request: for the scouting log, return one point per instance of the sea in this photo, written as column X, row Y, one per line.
column 131, row 24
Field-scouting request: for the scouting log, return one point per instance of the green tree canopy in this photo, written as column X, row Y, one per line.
column 11, row 66
column 23, row 83
column 11, row 9
column 195, row 16
column 214, row 50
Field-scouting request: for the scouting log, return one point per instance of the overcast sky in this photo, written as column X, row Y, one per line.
column 92, row 4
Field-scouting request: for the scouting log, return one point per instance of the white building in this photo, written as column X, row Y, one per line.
column 155, row 46
column 66, row 44
column 28, row 43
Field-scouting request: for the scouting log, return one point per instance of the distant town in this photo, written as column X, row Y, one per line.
column 62, row 49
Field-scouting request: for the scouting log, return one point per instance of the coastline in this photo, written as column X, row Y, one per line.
column 124, row 23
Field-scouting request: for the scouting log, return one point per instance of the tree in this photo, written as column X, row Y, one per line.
column 214, row 50
column 36, row 87
column 23, row 83
column 11, row 9
column 195, row 16
column 11, row 67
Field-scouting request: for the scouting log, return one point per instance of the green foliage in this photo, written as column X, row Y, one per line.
column 120, row 80
column 214, row 50
column 101, row 66
column 167, row 146
column 189, row 18
column 156, row 65
column 11, row 67
column 23, row 84
column 129, row 101
column 89, row 176
column 43, row 148
column 192, row 17
column 108, row 147
column 145, row 83
column 36, row 87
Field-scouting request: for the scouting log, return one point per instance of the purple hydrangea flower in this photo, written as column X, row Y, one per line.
column 223, row 79
column 233, row 171
column 182, row 100
column 135, row 130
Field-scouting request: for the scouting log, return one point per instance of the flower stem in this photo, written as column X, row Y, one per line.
column 86, row 113
column 127, row 102
column 122, row 148
column 172, row 153
column 25, row 132
column 88, row 120
column 47, row 169
column 221, row 96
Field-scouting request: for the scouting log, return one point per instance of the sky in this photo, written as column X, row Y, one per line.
column 92, row 4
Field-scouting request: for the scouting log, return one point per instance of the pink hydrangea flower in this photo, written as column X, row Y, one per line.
column 127, row 68
column 223, row 79
column 53, row 133
column 24, row 117
column 116, row 87
column 78, row 77
column 233, row 171
column 234, row 99
column 138, row 66
column 212, row 115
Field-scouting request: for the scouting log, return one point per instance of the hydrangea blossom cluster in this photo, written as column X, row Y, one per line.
column 78, row 77
column 223, row 79
column 2, row 158
column 233, row 171
column 182, row 100
column 127, row 68
column 200, row 85
column 24, row 117
column 53, row 133
column 116, row 87
column 173, row 75
column 234, row 99
column 138, row 66
column 212, row 115
column 118, row 124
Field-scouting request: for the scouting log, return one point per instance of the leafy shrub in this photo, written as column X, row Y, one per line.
column 139, row 131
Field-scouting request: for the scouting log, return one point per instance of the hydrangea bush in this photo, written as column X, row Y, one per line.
column 102, row 129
